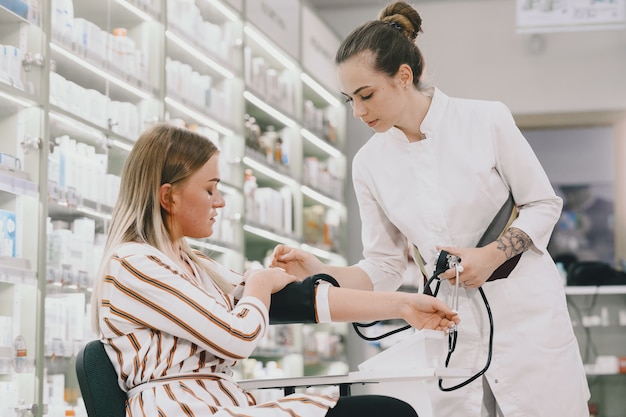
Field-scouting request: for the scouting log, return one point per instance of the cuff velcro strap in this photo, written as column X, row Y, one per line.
column 296, row 302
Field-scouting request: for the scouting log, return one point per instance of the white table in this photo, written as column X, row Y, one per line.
column 289, row 385
column 400, row 371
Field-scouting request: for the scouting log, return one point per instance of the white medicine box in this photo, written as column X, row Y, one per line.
column 7, row 233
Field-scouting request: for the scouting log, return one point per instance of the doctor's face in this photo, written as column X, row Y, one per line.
column 376, row 98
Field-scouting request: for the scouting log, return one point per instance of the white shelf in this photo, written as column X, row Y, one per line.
column 595, row 289
column 10, row 182
column 130, row 12
column 13, row 98
column 334, row 258
column 320, row 144
column 7, row 367
column 271, row 110
column 7, row 16
column 321, row 198
column 594, row 373
column 268, row 172
column 181, row 44
column 211, row 246
column 267, row 235
column 78, row 127
column 83, row 71
column 16, row 275
column 200, row 115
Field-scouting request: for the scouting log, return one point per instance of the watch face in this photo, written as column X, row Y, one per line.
column 20, row 353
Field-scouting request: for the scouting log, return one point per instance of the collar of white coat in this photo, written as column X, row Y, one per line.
column 435, row 112
column 431, row 121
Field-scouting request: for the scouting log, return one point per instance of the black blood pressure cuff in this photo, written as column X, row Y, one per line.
column 296, row 302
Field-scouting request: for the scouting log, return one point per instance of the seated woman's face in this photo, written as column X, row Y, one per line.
column 195, row 202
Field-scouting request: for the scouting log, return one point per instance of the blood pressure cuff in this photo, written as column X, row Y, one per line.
column 296, row 302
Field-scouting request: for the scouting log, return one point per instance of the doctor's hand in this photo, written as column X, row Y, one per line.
column 477, row 264
column 296, row 262
column 427, row 312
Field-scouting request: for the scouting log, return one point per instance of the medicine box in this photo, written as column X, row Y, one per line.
column 7, row 233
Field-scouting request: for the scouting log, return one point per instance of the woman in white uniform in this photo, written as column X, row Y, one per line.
column 174, row 322
column 434, row 175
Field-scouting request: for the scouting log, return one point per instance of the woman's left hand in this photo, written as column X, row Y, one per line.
column 477, row 264
column 427, row 312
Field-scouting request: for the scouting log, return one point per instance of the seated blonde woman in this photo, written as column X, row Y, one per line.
column 174, row 322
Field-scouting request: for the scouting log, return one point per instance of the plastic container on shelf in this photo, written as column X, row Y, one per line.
column 249, row 187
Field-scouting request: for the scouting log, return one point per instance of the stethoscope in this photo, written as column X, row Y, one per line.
column 444, row 262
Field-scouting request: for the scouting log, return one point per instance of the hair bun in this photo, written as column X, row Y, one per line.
column 403, row 16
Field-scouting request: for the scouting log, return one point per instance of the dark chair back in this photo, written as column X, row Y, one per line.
column 97, row 380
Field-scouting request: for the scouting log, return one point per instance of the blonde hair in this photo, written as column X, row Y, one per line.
column 162, row 154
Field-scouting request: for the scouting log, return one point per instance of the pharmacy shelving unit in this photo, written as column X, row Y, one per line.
column 102, row 91
column 599, row 318
column 283, row 97
column 79, row 80
column 22, row 124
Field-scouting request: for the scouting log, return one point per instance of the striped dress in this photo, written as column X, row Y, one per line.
column 173, row 341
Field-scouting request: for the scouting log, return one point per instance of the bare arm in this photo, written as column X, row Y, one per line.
column 419, row 310
column 350, row 277
column 513, row 242
column 302, row 264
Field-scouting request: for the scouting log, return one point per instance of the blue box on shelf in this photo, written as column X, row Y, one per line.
column 18, row 7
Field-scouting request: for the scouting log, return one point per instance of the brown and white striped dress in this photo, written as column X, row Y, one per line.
column 174, row 340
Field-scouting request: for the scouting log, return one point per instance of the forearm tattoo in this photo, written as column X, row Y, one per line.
column 513, row 242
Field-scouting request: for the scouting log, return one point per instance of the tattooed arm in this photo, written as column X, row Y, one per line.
column 479, row 263
column 513, row 242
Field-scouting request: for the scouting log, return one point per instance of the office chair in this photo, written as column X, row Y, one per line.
column 97, row 380
column 103, row 397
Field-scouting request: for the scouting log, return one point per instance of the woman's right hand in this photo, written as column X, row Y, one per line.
column 297, row 262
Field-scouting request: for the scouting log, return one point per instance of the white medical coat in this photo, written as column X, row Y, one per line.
column 445, row 190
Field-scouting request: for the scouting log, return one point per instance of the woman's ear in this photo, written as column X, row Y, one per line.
column 165, row 197
column 405, row 75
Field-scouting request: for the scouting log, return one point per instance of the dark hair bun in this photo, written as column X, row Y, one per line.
column 403, row 16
